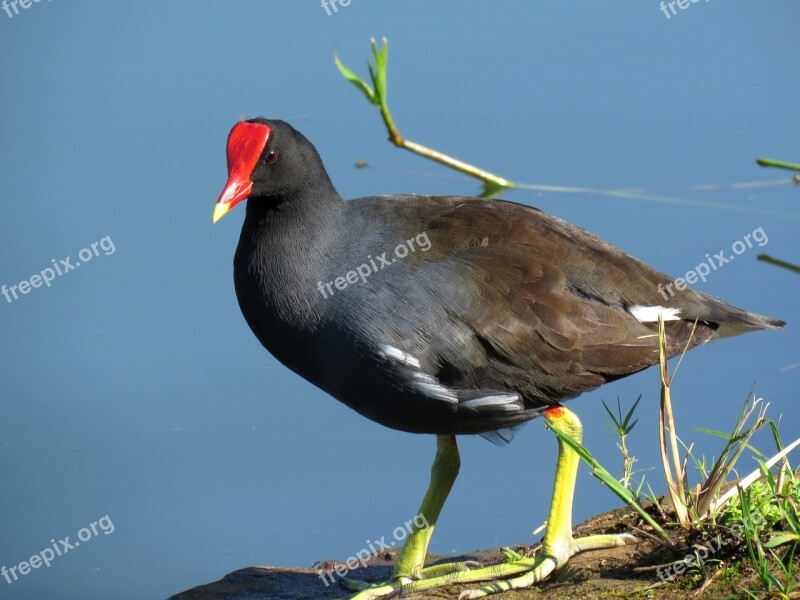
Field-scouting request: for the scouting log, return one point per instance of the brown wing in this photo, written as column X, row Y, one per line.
column 549, row 304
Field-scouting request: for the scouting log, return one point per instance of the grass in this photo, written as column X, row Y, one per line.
column 767, row 512
column 622, row 426
column 757, row 521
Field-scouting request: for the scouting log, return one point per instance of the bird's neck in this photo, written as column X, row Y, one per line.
column 285, row 247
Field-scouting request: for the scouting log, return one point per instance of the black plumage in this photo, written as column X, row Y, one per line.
column 499, row 311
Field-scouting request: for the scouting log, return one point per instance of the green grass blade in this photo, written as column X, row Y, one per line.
column 355, row 80
column 780, row 538
column 629, row 415
column 779, row 164
column 778, row 263
column 603, row 475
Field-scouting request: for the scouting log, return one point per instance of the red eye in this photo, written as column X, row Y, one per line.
column 272, row 157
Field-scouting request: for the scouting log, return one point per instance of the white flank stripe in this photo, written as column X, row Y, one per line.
column 650, row 314
column 391, row 352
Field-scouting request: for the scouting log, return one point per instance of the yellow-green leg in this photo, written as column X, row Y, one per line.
column 558, row 545
column 410, row 565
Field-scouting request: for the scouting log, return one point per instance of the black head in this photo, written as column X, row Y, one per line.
column 269, row 161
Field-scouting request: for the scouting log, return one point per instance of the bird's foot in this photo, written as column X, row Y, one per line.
column 404, row 586
column 517, row 571
column 540, row 567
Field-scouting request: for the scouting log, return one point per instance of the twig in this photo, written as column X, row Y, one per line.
column 676, row 488
column 376, row 94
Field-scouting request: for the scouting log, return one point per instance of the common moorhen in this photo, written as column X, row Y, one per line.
column 446, row 315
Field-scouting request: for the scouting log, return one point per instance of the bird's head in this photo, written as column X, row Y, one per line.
column 267, row 159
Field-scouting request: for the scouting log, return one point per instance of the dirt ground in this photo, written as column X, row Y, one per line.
column 622, row 572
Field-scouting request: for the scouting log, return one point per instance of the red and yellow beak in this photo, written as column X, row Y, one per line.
column 246, row 143
column 235, row 191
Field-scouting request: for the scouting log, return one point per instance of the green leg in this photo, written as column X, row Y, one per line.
column 410, row 565
column 558, row 545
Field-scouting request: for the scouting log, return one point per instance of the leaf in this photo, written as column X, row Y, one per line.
column 379, row 76
column 492, row 189
column 614, row 419
column 782, row 537
column 727, row 436
column 629, row 415
column 355, row 79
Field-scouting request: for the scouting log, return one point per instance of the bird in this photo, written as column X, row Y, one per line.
column 450, row 316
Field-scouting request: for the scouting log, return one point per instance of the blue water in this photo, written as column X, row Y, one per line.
column 132, row 392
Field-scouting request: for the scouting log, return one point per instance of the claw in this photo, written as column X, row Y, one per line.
column 374, row 591
column 510, row 555
column 354, row 584
column 449, row 568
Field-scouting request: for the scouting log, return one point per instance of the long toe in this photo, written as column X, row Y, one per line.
column 449, row 568
column 598, row 542
column 519, row 572
column 366, row 591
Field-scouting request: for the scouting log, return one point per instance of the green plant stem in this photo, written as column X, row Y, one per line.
column 376, row 94
column 779, row 164
column 778, row 263
column 456, row 164
column 676, row 486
